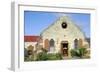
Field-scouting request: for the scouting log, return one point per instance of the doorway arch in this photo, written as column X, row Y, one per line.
column 64, row 48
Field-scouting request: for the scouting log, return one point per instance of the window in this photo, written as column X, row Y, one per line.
column 51, row 42
column 52, row 45
column 76, row 43
column 46, row 44
column 64, row 25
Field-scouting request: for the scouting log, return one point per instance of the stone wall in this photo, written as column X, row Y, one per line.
column 59, row 34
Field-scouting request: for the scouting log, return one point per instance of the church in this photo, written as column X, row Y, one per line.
column 60, row 37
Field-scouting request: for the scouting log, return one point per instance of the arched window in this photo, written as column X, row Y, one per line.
column 52, row 45
column 46, row 44
column 76, row 43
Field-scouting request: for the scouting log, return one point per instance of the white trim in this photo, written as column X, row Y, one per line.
column 18, row 28
column 14, row 34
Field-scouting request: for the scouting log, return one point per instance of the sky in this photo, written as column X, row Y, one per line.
column 35, row 22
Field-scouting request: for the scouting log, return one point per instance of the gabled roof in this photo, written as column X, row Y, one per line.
column 31, row 38
column 59, row 21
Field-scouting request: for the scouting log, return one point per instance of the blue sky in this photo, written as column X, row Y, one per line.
column 35, row 22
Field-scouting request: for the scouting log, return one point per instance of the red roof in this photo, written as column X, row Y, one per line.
column 31, row 38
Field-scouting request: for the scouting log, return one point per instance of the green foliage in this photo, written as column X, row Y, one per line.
column 44, row 50
column 59, row 56
column 43, row 56
column 56, row 56
column 29, row 58
column 73, row 52
column 78, row 52
column 82, row 51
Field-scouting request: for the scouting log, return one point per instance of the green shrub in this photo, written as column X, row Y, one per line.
column 29, row 58
column 73, row 52
column 59, row 56
column 44, row 50
column 43, row 56
column 78, row 52
column 82, row 51
column 55, row 56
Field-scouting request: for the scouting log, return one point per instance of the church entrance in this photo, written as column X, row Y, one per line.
column 64, row 48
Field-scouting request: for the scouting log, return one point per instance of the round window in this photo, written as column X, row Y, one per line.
column 64, row 25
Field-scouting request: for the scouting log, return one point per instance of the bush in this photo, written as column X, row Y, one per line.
column 43, row 56
column 56, row 56
column 44, row 50
column 78, row 52
column 59, row 56
column 29, row 58
column 82, row 52
column 73, row 52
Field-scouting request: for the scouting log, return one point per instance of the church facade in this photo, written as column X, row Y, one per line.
column 62, row 36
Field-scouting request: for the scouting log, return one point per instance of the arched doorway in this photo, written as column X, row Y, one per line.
column 64, row 48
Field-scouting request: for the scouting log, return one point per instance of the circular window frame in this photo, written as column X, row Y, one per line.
column 64, row 25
